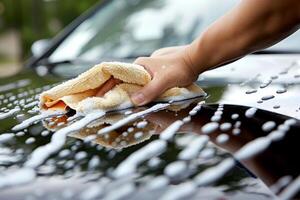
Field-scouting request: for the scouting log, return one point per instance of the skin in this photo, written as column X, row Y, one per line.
column 250, row 26
column 108, row 85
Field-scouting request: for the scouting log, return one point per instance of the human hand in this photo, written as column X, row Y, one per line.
column 168, row 67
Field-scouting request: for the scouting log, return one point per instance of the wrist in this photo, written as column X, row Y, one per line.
column 189, row 61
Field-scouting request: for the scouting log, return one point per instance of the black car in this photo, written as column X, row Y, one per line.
column 240, row 141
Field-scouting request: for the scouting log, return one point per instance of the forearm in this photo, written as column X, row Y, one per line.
column 251, row 26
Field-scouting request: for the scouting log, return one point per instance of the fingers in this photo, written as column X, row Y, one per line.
column 143, row 61
column 154, row 88
column 149, row 92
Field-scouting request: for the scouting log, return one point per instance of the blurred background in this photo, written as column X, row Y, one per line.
column 24, row 21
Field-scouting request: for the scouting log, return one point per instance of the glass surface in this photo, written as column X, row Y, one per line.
column 130, row 28
column 138, row 27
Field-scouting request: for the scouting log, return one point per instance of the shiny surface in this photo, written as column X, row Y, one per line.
column 87, row 165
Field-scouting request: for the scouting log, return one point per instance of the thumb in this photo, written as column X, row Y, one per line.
column 149, row 92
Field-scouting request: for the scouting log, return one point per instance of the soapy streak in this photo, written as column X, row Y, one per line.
column 133, row 117
column 58, row 139
column 36, row 118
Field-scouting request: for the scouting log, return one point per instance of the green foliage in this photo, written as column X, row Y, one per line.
column 39, row 19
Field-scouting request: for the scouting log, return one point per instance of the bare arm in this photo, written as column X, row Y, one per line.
column 250, row 26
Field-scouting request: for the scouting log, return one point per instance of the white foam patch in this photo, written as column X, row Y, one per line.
column 268, row 126
column 181, row 191
column 170, row 131
column 247, row 151
column 250, row 112
column 5, row 137
column 130, row 164
column 175, row 169
column 58, row 139
column 193, row 148
column 26, row 123
column 210, row 127
column 212, row 174
column 133, row 117
column 291, row 190
column 21, row 176
column 9, row 113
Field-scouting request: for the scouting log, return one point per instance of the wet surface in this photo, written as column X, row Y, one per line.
column 239, row 142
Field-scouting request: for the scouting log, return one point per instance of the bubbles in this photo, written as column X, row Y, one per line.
column 222, row 138
column 280, row 91
column 17, row 177
column 45, row 133
column 187, row 119
column 138, row 135
column 157, row 183
column 252, row 148
column 235, row 116
column 250, row 112
column 215, row 118
column 265, row 84
column 281, row 183
column 6, row 137
column 251, row 91
column 212, row 174
column 182, row 191
column 58, row 139
column 268, row 126
column 129, row 165
column 94, row 162
column 30, row 140
column 91, row 193
column 169, row 132
column 64, row 153
column 195, row 110
column 193, row 148
column 9, row 113
column 291, row 190
column 236, row 131
column 133, row 117
column 80, row 155
column 154, row 162
column 267, row 97
column 26, row 123
column 176, row 169
column 142, row 124
column 210, row 127
column 225, row 126
column 276, row 106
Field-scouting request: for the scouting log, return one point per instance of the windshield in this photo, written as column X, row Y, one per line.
column 129, row 28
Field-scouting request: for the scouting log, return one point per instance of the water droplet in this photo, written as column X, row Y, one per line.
column 209, row 127
column 225, row 126
column 250, row 112
column 30, row 140
column 234, row 116
column 276, row 106
column 268, row 126
column 222, row 138
column 280, row 91
column 251, row 91
column 267, row 97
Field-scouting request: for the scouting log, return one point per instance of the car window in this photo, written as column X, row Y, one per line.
column 138, row 27
column 130, row 28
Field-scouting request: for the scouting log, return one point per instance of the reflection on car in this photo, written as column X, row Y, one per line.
column 238, row 142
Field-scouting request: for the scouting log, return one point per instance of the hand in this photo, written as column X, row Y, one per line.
column 169, row 67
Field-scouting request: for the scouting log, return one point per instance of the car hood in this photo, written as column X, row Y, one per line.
column 230, row 144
